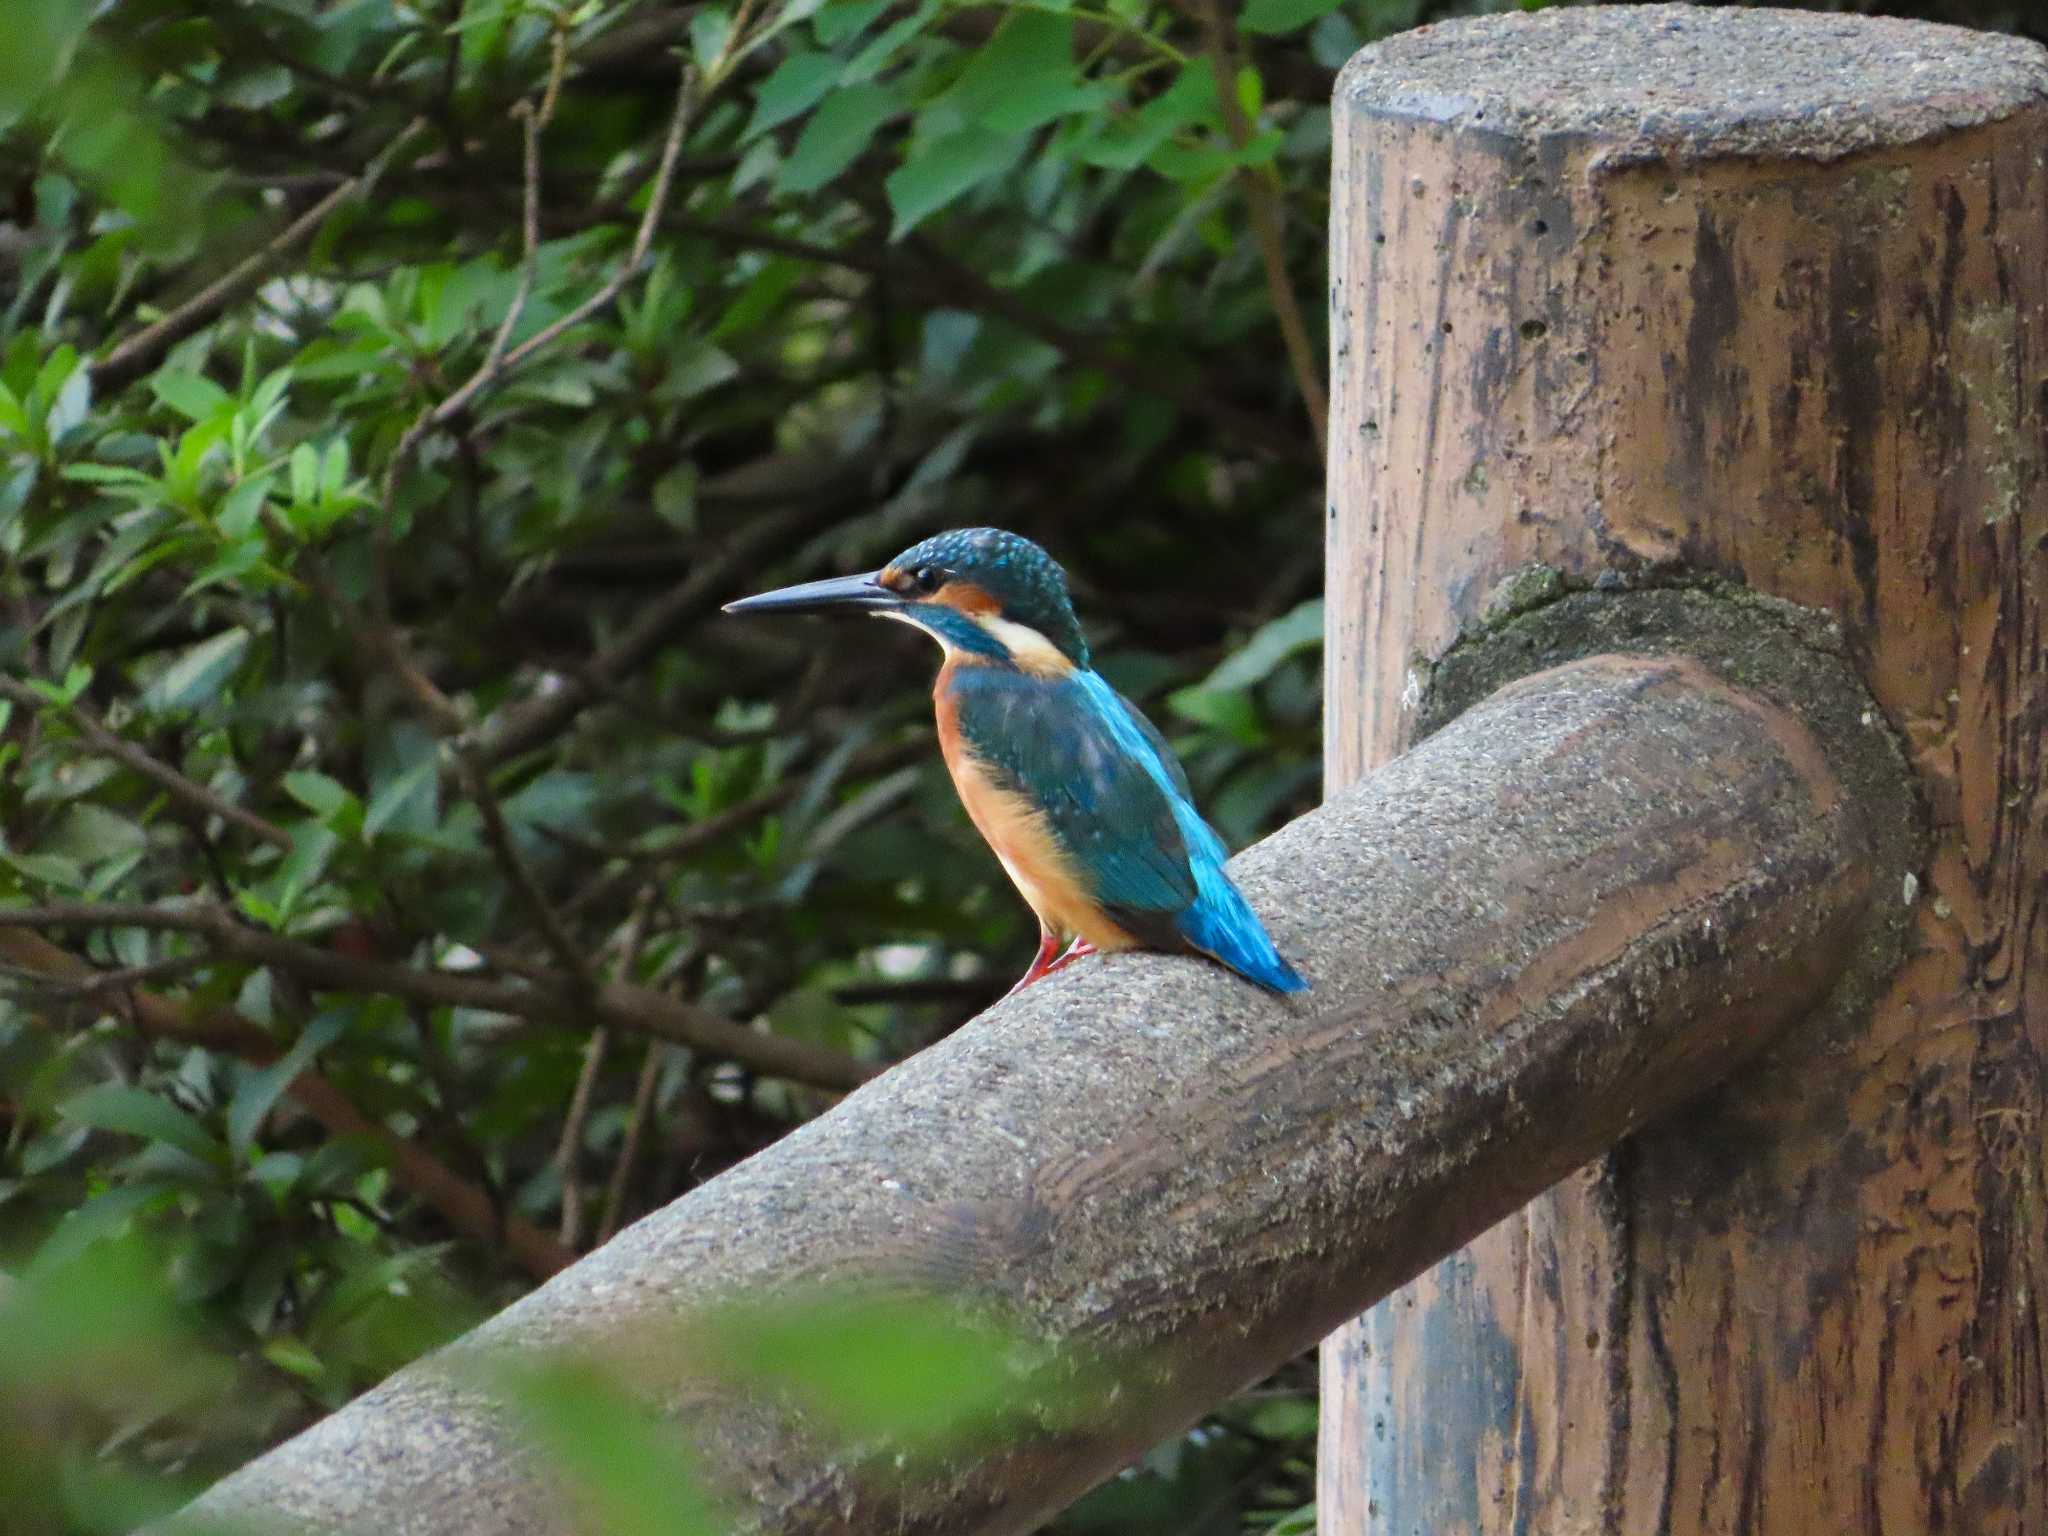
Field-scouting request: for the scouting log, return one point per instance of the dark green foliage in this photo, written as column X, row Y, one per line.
column 360, row 633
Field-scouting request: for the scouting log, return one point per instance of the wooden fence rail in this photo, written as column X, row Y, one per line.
column 1593, row 894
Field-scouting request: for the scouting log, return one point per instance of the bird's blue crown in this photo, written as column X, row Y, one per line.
column 1023, row 579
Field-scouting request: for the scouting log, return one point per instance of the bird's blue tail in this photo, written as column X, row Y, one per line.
column 1223, row 926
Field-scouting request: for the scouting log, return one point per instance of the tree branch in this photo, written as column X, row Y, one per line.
column 1161, row 1183
column 522, row 727
column 141, row 352
column 571, row 1142
column 963, row 285
column 702, row 834
column 618, row 1003
column 629, row 1152
column 516, row 871
column 1268, row 216
column 500, row 362
column 466, row 1208
column 185, row 791
column 372, row 636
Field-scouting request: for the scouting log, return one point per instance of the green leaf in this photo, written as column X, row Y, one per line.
column 260, row 1089
column 410, row 799
column 69, row 409
column 191, row 396
column 838, row 132
column 624, row 1469
column 710, row 34
column 1300, row 629
column 260, row 907
column 870, row 61
column 313, row 843
column 841, row 19
column 675, row 497
column 305, row 472
column 137, row 1112
column 798, row 84
column 916, row 1370
column 196, row 678
column 318, row 793
column 107, row 474
column 1025, row 76
column 1123, row 143
column 1234, row 714
column 938, row 173
column 89, row 833
column 241, row 507
column 45, row 868
column 334, row 468
column 258, row 88
column 295, row 1357
column 1274, row 17
column 106, row 1215
column 12, row 417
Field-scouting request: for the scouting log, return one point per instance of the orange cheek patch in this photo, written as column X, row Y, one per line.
column 967, row 597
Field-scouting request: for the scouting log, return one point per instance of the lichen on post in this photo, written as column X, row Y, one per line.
column 1643, row 296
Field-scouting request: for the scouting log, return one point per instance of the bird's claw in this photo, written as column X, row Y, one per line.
column 1077, row 950
column 1043, row 964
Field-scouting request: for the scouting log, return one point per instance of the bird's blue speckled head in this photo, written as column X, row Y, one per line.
column 988, row 597
column 990, row 570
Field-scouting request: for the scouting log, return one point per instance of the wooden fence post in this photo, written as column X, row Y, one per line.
column 1643, row 295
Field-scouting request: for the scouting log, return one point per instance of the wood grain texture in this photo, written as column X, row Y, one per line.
column 1613, row 881
column 1647, row 294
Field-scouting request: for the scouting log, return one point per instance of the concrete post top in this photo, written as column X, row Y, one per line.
column 1680, row 82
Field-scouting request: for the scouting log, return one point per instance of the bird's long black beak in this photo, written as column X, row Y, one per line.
column 850, row 594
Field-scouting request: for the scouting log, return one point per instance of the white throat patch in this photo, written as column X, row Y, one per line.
column 1027, row 647
column 1031, row 651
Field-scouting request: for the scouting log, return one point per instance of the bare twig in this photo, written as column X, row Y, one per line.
column 185, row 791
column 571, row 1143
column 376, row 638
column 701, row 834
column 1268, row 215
column 629, row 1153
column 529, row 260
column 960, row 284
column 535, row 120
column 97, row 983
column 620, row 1004
column 466, row 1208
column 140, row 352
column 593, row 1062
column 512, row 863
column 657, row 200
column 501, row 362
column 524, row 726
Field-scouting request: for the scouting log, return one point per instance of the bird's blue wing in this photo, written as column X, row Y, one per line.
column 1219, row 922
column 1049, row 741
column 1118, row 801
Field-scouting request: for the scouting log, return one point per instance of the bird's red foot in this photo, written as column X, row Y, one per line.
column 1041, row 965
column 1077, row 950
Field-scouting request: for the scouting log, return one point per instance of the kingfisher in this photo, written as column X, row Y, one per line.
column 1077, row 793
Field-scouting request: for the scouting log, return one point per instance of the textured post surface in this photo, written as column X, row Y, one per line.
column 1614, row 882
column 1649, row 294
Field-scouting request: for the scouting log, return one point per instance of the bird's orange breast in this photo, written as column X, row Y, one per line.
column 1021, row 837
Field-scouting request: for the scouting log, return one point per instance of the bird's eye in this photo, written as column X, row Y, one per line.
column 927, row 578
